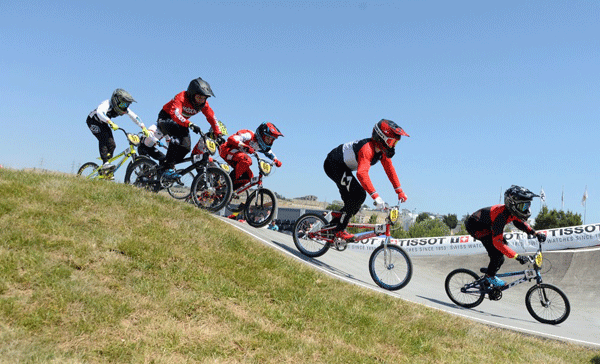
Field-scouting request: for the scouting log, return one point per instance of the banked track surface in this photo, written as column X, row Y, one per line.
column 575, row 272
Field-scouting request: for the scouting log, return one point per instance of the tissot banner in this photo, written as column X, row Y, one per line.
column 557, row 239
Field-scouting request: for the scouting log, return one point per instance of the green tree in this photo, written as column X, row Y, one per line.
column 556, row 219
column 450, row 220
column 399, row 233
column 373, row 219
column 334, row 207
column 427, row 228
column 422, row 217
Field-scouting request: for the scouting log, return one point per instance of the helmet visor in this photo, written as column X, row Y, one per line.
column 268, row 139
column 391, row 142
column 523, row 206
column 123, row 105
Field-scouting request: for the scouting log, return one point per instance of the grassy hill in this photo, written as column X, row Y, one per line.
column 100, row 272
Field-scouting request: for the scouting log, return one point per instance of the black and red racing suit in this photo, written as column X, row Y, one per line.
column 173, row 121
column 487, row 225
column 358, row 156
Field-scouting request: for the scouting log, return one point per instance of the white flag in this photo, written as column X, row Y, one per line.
column 585, row 196
column 543, row 196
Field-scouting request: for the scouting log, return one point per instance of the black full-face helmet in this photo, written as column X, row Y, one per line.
column 517, row 200
column 120, row 101
column 198, row 87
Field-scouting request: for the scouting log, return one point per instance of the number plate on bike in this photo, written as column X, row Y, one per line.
column 380, row 229
column 530, row 273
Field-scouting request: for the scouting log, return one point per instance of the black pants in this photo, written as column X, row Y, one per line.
column 352, row 193
column 496, row 257
column 106, row 141
column 180, row 145
column 151, row 152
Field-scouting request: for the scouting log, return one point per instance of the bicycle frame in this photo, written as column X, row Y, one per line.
column 376, row 230
column 130, row 151
column 264, row 169
column 527, row 274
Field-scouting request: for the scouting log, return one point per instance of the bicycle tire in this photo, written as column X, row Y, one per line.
column 456, row 282
column 183, row 190
column 261, row 202
column 142, row 174
column 549, row 306
column 310, row 247
column 393, row 265
column 88, row 170
column 216, row 193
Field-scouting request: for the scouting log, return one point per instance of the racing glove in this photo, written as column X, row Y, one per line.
column 402, row 196
column 522, row 258
column 195, row 128
column 113, row 125
column 277, row 163
column 146, row 132
column 248, row 148
column 541, row 237
column 379, row 203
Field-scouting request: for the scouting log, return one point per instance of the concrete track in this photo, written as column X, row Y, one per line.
column 575, row 272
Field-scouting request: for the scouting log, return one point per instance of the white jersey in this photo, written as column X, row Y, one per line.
column 104, row 113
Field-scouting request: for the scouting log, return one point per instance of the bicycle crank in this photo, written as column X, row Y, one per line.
column 340, row 245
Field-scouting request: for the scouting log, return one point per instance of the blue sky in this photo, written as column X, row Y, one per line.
column 492, row 93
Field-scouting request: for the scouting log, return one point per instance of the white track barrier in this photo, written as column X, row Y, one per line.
column 557, row 239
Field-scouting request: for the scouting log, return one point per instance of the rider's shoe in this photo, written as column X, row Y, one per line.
column 344, row 235
column 107, row 167
column 171, row 174
column 495, row 281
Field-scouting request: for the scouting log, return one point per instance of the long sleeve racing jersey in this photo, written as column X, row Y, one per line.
column 180, row 109
column 491, row 221
column 243, row 137
column 359, row 156
column 104, row 114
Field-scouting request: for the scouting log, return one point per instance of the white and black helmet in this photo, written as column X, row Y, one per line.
column 517, row 200
column 120, row 101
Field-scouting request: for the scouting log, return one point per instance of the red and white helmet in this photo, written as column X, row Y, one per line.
column 266, row 133
column 386, row 135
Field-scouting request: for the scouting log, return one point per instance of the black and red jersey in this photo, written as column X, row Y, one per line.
column 491, row 221
column 359, row 156
column 180, row 109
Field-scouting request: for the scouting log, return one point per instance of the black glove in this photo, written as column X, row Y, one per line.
column 541, row 237
column 522, row 259
column 195, row 128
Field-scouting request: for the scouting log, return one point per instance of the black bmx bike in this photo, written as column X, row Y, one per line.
column 545, row 303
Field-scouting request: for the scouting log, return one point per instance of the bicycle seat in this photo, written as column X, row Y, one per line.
column 483, row 270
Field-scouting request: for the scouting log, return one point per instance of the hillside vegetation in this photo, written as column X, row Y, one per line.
column 101, row 272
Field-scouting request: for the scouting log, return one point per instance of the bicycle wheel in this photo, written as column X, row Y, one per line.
column 462, row 289
column 391, row 267
column 260, row 208
column 310, row 246
column 547, row 304
column 88, row 170
column 215, row 193
column 182, row 188
column 142, row 173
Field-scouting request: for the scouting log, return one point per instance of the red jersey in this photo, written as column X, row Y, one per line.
column 491, row 221
column 180, row 109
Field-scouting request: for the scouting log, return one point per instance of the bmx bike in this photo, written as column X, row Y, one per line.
column 389, row 265
column 146, row 173
column 92, row 170
column 545, row 302
column 258, row 205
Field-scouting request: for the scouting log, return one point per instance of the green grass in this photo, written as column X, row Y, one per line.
column 100, row 272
